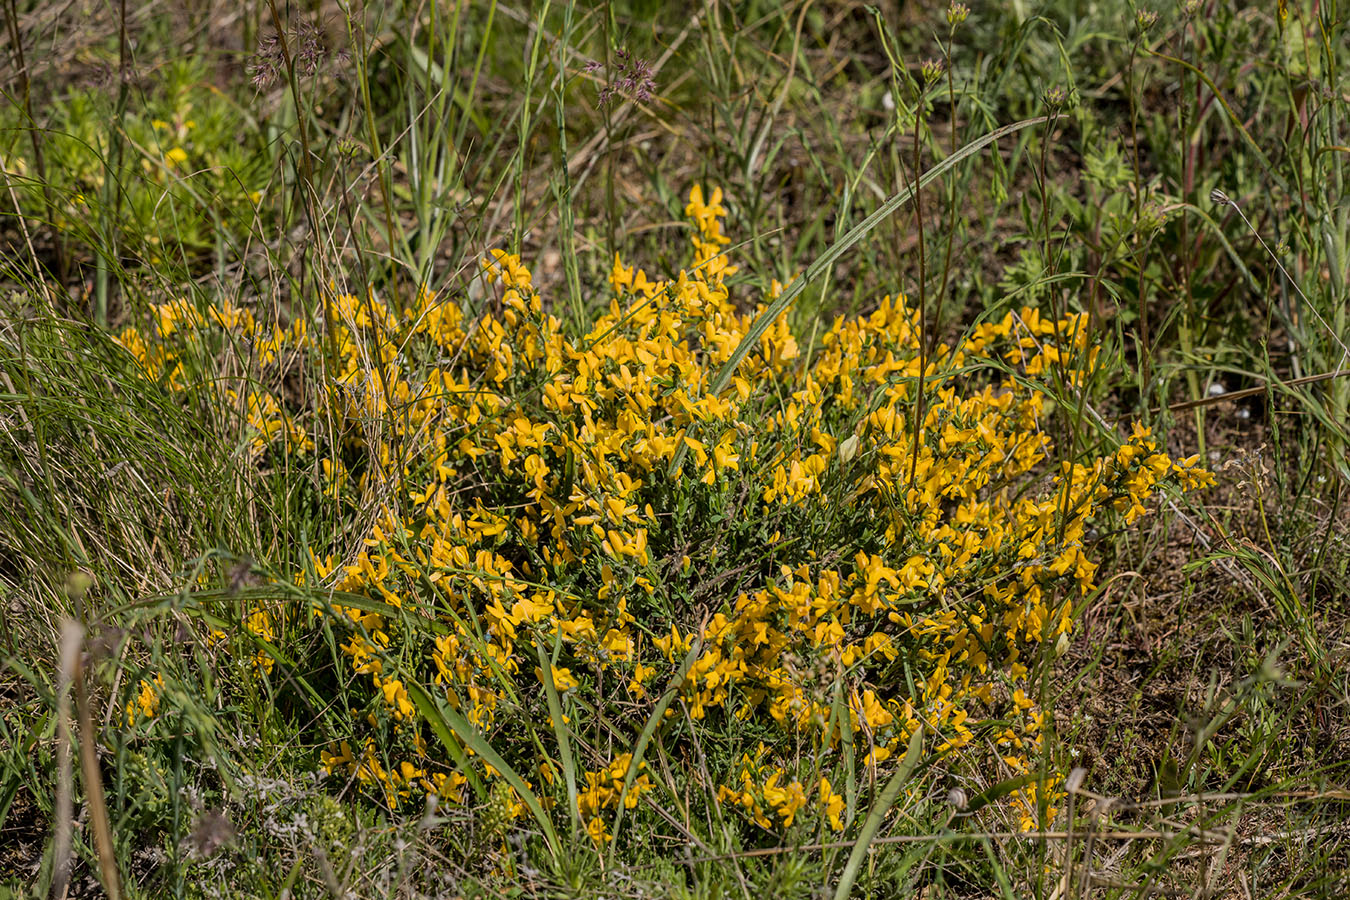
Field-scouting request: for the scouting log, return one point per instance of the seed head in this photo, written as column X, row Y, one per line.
column 308, row 51
column 956, row 14
column 932, row 71
column 632, row 77
column 1219, row 198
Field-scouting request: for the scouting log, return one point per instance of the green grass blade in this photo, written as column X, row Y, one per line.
column 560, row 733
column 872, row 824
column 427, row 706
column 999, row 791
column 448, row 722
column 850, row 751
column 648, row 731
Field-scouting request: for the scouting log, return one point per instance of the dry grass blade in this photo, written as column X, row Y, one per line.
column 72, row 676
column 93, row 789
column 72, row 636
column 1230, row 396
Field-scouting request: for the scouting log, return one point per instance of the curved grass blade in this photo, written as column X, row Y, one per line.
column 560, row 734
column 999, row 791
column 872, row 824
column 648, row 731
column 321, row 600
column 422, row 699
column 263, row 645
column 826, row 260
column 1215, row 228
column 447, row 722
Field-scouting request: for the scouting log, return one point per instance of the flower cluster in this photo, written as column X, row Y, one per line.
column 763, row 797
column 849, row 542
column 604, row 789
column 145, row 705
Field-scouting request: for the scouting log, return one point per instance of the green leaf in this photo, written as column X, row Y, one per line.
column 1000, row 790
column 560, row 734
column 449, row 724
column 877, row 814
column 653, row 723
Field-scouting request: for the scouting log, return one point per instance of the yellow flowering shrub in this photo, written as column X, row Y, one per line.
column 851, row 556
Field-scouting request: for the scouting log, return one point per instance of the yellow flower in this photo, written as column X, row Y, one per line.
column 503, row 522
column 146, row 703
column 831, row 804
column 396, row 698
column 563, row 681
